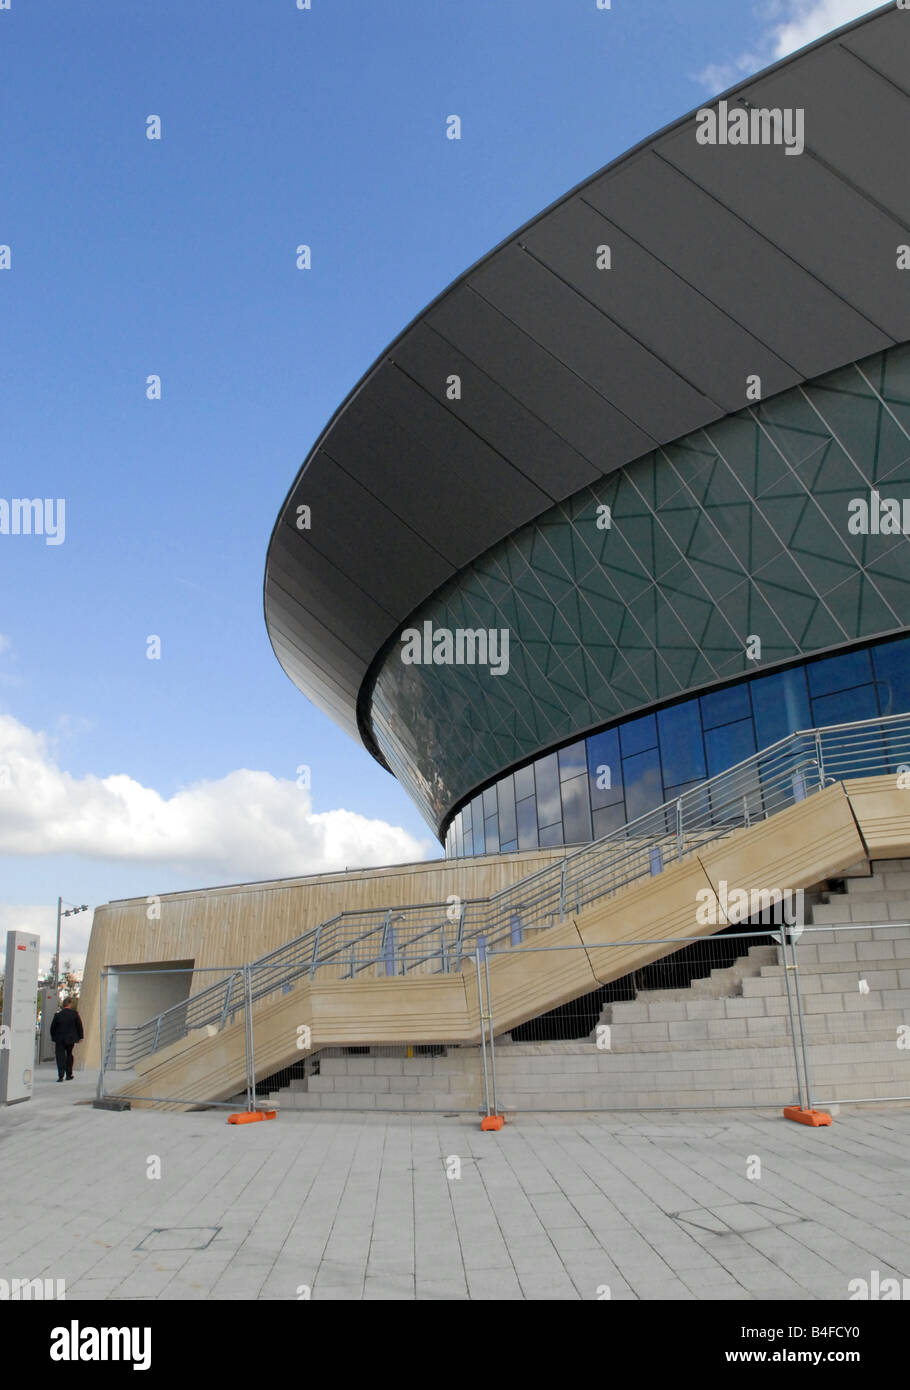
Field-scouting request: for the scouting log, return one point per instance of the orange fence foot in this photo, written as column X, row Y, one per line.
column 492, row 1122
column 806, row 1117
column 248, row 1117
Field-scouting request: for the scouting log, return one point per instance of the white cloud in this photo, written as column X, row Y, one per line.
column 810, row 19
column 789, row 26
column 246, row 825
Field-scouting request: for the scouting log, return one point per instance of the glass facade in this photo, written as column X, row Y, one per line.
column 649, row 586
column 597, row 784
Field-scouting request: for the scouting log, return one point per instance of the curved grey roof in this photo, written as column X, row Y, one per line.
column 727, row 261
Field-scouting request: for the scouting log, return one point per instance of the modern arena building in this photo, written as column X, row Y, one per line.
column 653, row 443
column 607, row 560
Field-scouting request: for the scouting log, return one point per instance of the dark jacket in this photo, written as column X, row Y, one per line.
column 66, row 1027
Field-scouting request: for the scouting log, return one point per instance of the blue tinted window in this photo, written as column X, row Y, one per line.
column 892, row 668
column 608, row 819
column 550, row 836
column 505, row 795
column 526, row 816
column 780, row 705
column 572, row 760
column 546, row 773
column 491, row 835
column 576, row 812
column 489, row 803
column 729, row 745
column 681, row 750
column 839, row 673
column 846, row 706
column 603, row 753
column 477, row 821
column 638, row 735
column 725, row 706
column 641, row 779
column 524, row 782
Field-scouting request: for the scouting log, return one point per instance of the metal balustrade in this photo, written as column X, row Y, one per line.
column 440, row 936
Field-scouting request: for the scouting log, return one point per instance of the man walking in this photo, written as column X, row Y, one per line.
column 66, row 1031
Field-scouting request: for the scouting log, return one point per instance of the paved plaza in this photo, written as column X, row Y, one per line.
column 351, row 1206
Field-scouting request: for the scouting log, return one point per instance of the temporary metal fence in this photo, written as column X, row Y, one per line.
column 439, row 937
column 827, row 1023
column 770, row 1015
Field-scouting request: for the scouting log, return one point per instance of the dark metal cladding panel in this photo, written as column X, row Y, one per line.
column 322, row 586
column 357, row 531
column 878, row 167
column 496, row 417
column 435, row 472
column 813, row 215
column 731, row 265
column 640, row 385
column 504, row 423
column 332, row 653
column 564, row 402
column 323, row 675
column 649, row 300
column 885, row 46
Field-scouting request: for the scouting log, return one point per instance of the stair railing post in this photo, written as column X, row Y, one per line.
column 820, row 759
column 316, row 942
column 679, row 828
column 459, row 937
column 562, row 889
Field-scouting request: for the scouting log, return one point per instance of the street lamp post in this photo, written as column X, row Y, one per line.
column 71, row 911
column 51, row 990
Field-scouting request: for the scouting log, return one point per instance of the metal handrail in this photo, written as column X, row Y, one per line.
column 787, row 771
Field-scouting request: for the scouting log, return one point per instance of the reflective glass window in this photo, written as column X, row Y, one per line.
column 524, row 782
column 607, row 819
column 729, row 745
column 780, row 705
column 526, row 816
column 839, row 673
column 638, row 735
column 846, row 706
column 604, row 769
column 892, row 669
column 549, row 808
column 505, row 796
column 725, row 706
column 576, row 810
column 641, row 779
column 682, row 752
column 572, row 760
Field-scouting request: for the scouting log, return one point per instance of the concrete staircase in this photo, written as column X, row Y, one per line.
column 723, row 1040
column 614, row 932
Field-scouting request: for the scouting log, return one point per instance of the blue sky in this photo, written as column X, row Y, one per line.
column 132, row 257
